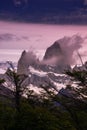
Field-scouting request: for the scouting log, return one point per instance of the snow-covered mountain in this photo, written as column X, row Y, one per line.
column 47, row 71
column 4, row 65
column 38, row 75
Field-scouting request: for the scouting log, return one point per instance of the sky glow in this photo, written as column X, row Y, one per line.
column 35, row 37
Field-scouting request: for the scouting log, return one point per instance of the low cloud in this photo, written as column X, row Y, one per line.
column 70, row 46
column 12, row 37
column 69, row 51
column 85, row 2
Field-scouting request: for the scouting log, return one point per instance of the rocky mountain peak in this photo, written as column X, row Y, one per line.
column 53, row 50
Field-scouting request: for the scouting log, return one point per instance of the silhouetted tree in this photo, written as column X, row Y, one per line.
column 19, row 85
column 80, row 79
column 2, row 81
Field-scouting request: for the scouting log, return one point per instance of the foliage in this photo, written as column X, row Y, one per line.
column 48, row 111
column 80, row 76
column 2, row 81
column 18, row 83
column 33, row 118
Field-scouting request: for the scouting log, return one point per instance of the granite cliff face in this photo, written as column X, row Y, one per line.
column 64, row 51
column 26, row 59
column 53, row 60
column 53, row 51
column 58, row 57
column 54, row 55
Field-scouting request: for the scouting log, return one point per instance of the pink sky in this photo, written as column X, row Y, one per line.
column 16, row 36
column 35, row 36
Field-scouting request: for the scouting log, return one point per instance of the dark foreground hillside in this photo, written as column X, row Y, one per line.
column 59, row 112
column 65, row 109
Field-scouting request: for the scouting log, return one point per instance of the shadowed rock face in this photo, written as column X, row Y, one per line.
column 55, row 56
column 53, row 51
column 27, row 59
column 22, row 63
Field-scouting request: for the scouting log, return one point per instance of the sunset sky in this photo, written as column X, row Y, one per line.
column 35, row 36
column 37, row 24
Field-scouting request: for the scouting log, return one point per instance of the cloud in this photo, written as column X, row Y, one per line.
column 8, row 37
column 85, row 2
column 12, row 37
column 18, row 3
column 69, row 47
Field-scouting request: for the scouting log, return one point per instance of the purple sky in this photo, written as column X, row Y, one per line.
column 35, row 36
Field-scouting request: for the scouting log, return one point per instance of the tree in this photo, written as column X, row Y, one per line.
column 18, row 81
column 80, row 79
column 2, row 81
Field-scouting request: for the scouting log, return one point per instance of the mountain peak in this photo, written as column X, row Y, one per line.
column 53, row 50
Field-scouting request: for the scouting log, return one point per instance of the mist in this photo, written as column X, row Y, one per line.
column 70, row 47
